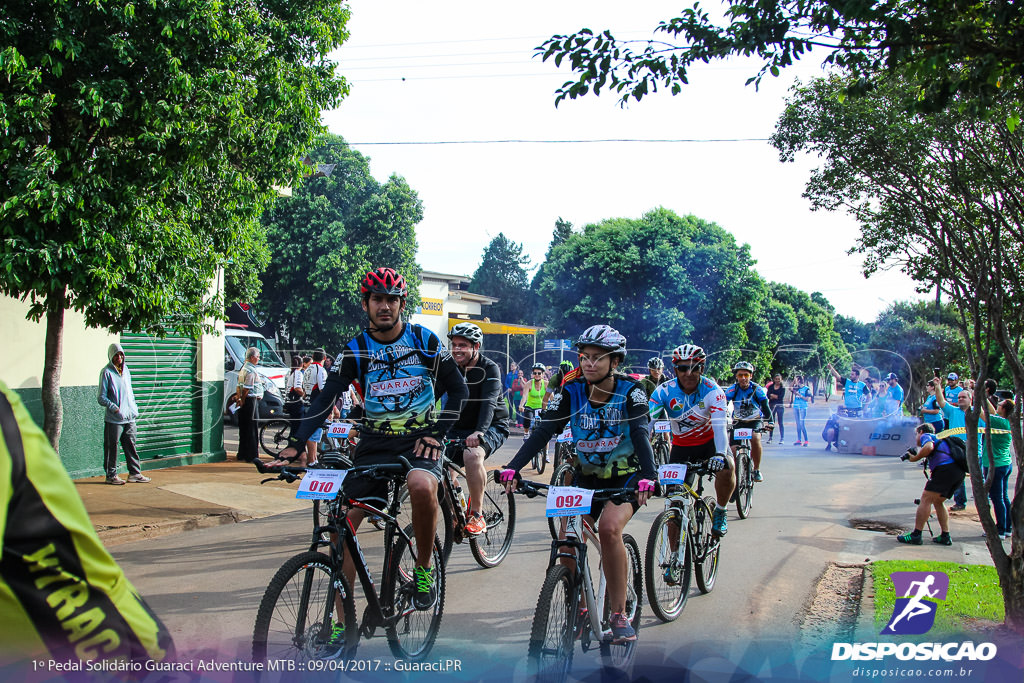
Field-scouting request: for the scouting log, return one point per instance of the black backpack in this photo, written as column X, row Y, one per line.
column 957, row 450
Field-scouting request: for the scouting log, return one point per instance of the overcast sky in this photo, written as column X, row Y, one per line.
column 465, row 71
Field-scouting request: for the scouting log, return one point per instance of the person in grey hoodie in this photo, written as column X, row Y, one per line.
column 116, row 395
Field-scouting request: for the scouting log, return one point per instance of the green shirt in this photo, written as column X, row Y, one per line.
column 1000, row 442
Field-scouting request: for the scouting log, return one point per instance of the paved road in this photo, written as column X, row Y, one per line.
column 206, row 584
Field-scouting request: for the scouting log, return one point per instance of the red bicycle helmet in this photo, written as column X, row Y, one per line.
column 383, row 281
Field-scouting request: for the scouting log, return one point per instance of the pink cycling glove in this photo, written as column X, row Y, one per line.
column 507, row 476
column 645, row 486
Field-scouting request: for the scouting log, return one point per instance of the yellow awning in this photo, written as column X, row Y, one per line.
column 495, row 328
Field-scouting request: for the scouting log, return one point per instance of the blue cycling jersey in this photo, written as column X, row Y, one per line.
column 749, row 399
column 601, row 434
column 396, row 379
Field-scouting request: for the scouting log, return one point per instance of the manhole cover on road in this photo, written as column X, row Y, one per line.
column 876, row 525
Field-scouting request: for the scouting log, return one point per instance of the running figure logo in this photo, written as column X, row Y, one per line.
column 914, row 611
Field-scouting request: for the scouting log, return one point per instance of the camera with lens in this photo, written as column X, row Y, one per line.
column 910, row 452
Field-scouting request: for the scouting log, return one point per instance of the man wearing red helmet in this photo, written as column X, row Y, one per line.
column 399, row 369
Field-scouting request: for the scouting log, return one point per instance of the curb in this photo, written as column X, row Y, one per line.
column 111, row 536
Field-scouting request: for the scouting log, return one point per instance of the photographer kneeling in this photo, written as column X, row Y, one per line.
column 946, row 477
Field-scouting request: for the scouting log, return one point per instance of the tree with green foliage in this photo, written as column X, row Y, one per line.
column 807, row 339
column 915, row 342
column 502, row 274
column 140, row 144
column 969, row 49
column 660, row 280
column 855, row 334
column 940, row 196
column 329, row 234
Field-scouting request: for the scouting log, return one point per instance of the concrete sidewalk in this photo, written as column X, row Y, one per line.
column 184, row 498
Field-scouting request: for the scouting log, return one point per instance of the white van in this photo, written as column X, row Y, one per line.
column 271, row 368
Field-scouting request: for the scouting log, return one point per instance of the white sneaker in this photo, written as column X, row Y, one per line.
column 139, row 479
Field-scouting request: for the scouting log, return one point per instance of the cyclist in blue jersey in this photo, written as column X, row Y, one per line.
column 750, row 408
column 607, row 414
column 399, row 369
column 695, row 406
column 855, row 392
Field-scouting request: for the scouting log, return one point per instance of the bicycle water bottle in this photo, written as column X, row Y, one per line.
column 463, row 503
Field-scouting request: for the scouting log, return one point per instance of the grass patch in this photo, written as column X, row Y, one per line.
column 974, row 593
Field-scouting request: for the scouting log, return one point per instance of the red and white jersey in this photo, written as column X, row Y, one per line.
column 695, row 418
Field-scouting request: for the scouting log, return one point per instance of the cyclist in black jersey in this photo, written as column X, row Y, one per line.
column 62, row 596
column 483, row 422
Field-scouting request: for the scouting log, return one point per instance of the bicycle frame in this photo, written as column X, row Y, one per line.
column 574, row 528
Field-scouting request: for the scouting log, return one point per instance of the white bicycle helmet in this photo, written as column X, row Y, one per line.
column 603, row 337
column 656, row 363
column 688, row 354
column 468, row 331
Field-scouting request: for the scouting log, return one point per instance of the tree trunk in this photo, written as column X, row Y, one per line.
column 53, row 409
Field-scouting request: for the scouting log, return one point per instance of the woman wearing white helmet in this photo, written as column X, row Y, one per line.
column 607, row 414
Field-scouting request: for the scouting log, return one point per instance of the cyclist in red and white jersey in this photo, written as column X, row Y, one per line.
column 695, row 406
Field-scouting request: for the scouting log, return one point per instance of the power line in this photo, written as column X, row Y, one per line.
column 551, row 142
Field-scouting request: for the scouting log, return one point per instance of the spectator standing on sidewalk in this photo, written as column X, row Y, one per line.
column 117, row 396
column 798, row 402
column 955, row 418
column 950, row 392
column 509, row 382
column 249, row 393
column 313, row 382
column 293, row 397
column 930, row 411
column 893, row 396
column 1002, row 463
column 776, row 394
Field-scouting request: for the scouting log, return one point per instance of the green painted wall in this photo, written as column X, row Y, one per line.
column 81, row 437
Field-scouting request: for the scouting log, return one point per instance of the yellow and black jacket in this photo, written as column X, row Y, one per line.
column 61, row 593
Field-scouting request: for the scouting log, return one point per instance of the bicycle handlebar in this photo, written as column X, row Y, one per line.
column 532, row 489
column 291, row 474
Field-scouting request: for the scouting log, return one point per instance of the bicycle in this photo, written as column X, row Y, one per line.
column 558, row 620
column 498, row 509
column 298, row 611
column 565, row 450
column 274, row 436
column 660, row 442
column 744, row 493
column 681, row 542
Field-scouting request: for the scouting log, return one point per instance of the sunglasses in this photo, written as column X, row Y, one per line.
column 538, row 372
column 687, row 368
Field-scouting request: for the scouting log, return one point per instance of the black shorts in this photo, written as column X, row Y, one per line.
column 490, row 441
column 755, row 425
column 945, row 480
column 591, row 481
column 529, row 416
column 685, row 455
column 373, row 450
